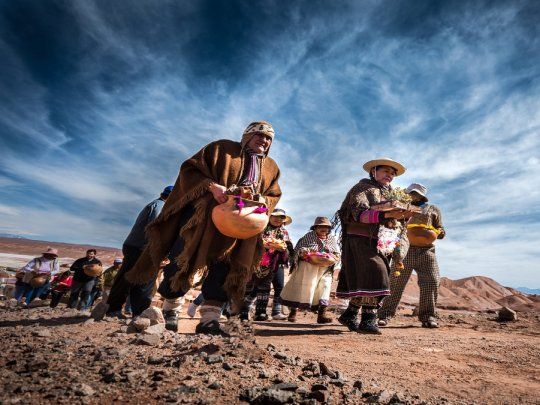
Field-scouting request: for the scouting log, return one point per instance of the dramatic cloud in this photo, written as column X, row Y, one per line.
column 102, row 102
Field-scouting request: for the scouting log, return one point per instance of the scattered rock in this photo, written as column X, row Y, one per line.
column 84, row 390
column 156, row 329
column 155, row 360
column 99, row 311
column 214, row 358
column 319, row 387
column 42, row 332
column 273, row 396
column 140, row 323
column 214, row 385
column 326, row 371
column 148, row 340
column 506, row 314
column 358, row 384
column 286, row 386
column 154, row 314
column 319, row 396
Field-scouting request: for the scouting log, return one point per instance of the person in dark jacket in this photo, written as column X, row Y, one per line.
column 140, row 295
column 82, row 283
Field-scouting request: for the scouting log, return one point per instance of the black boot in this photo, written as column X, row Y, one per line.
column 211, row 328
column 260, row 307
column 171, row 320
column 322, row 315
column 349, row 318
column 368, row 324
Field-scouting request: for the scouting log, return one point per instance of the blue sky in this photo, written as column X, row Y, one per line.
column 102, row 101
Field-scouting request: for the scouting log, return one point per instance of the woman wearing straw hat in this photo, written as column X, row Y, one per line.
column 314, row 258
column 364, row 272
column 278, row 250
column 36, row 276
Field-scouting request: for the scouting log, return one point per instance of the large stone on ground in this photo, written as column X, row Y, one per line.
column 148, row 340
column 506, row 314
column 99, row 311
column 141, row 323
column 154, row 314
column 156, row 329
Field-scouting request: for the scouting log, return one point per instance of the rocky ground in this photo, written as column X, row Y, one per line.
column 61, row 356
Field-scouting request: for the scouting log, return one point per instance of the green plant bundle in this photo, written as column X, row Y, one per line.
column 397, row 194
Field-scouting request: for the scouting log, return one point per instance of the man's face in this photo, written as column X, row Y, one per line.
column 259, row 143
column 322, row 231
column 277, row 220
column 90, row 255
column 384, row 175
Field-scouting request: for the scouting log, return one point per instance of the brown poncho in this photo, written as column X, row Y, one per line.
column 221, row 162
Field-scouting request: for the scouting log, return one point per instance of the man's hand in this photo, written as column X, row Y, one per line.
column 218, row 191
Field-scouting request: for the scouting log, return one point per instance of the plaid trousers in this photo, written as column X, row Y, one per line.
column 424, row 262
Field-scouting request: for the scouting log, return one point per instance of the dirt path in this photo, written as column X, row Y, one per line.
column 59, row 356
column 470, row 359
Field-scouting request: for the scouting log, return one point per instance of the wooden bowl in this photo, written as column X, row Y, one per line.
column 38, row 281
column 239, row 223
column 93, row 270
column 421, row 236
column 321, row 260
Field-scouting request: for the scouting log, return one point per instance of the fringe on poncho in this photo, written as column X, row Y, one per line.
column 221, row 162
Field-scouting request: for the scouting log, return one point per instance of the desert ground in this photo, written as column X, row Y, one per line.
column 63, row 356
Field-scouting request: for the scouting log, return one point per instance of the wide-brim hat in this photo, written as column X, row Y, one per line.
column 51, row 251
column 321, row 221
column 419, row 189
column 278, row 212
column 400, row 169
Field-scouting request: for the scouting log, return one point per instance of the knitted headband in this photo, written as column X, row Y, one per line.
column 256, row 127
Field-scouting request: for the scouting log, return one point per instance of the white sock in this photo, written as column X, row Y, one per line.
column 209, row 313
column 173, row 304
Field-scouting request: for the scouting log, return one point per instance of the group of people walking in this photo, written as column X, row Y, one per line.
column 176, row 241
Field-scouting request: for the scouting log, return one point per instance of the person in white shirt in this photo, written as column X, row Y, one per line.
column 36, row 275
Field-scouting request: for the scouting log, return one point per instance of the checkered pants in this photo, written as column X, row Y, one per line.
column 424, row 262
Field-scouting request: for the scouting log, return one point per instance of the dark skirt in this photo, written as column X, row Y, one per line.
column 364, row 271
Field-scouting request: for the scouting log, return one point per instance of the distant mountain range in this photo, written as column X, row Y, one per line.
column 529, row 290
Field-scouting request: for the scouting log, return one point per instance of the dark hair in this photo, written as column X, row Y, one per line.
column 91, row 250
column 371, row 176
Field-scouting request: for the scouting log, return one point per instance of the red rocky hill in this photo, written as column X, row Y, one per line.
column 477, row 293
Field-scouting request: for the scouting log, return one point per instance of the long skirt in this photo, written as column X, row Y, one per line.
column 308, row 286
column 364, row 271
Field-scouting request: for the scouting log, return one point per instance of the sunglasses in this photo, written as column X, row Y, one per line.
column 279, row 216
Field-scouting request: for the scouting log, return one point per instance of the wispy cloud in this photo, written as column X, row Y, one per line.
column 101, row 104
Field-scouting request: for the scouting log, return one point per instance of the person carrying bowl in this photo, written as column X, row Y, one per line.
column 310, row 284
column 423, row 229
column 185, row 231
column 364, row 275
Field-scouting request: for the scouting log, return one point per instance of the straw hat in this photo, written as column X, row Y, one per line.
column 51, row 251
column 321, row 221
column 278, row 212
column 419, row 189
column 400, row 169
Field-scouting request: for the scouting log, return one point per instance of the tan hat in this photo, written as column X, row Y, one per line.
column 419, row 189
column 321, row 221
column 400, row 169
column 278, row 212
column 51, row 251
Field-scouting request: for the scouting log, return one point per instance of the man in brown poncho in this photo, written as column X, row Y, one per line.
column 185, row 232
